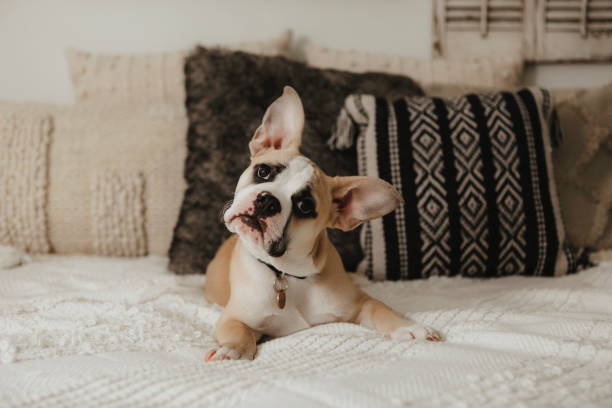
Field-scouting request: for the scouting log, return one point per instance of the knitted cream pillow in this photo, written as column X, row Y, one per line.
column 24, row 151
column 146, row 78
column 116, row 178
column 503, row 72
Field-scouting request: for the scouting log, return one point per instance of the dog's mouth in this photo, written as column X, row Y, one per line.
column 253, row 222
column 259, row 226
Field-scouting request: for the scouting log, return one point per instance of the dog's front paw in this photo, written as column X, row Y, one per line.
column 415, row 331
column 227, row 353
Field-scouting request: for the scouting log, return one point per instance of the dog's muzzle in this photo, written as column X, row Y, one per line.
column 259, row 216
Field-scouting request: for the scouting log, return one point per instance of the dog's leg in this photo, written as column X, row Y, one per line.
column 236, row 341
column 380, row 317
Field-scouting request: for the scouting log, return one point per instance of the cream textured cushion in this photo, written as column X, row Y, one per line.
column 24, row 152
column 583, row 167
column 451, row 91
column 498, row 71
column 145, row 78
column 94, row 179
column 116, row 178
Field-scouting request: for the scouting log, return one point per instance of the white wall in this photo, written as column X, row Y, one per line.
column 35, row 33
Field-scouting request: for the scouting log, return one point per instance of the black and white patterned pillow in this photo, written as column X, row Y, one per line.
column 476, row 176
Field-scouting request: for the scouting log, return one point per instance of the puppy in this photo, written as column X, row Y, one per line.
column 280, row 273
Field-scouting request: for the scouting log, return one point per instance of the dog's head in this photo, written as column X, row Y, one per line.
column 283, row 201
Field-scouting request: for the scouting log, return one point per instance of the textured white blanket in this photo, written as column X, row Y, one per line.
column 85, row 331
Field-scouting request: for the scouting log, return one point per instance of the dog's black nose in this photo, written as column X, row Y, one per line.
column 266, row 205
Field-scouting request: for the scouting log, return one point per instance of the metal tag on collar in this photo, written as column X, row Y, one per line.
column 280, row 287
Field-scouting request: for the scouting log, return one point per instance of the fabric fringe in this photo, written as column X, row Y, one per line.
column 344, row 133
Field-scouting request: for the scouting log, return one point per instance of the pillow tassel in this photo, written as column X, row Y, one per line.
column 344, row 134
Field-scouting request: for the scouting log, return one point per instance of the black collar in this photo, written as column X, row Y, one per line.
column 279, row 273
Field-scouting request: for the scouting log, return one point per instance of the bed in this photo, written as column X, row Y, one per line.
column 88, row 331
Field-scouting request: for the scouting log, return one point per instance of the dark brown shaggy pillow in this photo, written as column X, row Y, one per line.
column 227, row 95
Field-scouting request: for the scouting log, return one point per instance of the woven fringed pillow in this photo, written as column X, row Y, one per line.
column 156, row 78
column 477, row 179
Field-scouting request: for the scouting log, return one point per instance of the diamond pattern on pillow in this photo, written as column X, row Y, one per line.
column 476, row 175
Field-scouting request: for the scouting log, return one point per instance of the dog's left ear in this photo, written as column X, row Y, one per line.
column 282, row 124
column 358, row 199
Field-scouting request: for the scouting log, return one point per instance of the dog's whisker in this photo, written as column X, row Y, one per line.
column 225, row 207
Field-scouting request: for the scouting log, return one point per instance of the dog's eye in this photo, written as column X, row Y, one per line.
column 305, row 206
column 263, row 172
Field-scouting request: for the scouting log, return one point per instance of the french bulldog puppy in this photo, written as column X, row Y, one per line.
column 279, row 273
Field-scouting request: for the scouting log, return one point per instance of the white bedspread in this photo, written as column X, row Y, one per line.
column 105, row 332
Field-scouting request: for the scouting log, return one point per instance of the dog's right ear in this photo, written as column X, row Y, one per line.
column 282, row 124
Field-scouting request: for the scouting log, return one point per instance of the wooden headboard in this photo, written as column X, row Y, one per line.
column 544, row 30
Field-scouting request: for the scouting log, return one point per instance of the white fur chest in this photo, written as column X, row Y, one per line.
column 253, row 301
